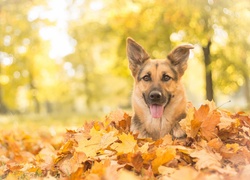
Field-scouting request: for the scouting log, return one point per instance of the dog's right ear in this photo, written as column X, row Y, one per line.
column 136, row 55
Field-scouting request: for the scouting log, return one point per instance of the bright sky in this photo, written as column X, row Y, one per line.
column 61, row 43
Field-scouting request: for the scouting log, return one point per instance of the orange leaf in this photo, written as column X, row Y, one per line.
column 215, row 143
column 137, row 162
column 199, row 116
column 208, row 126
column 163, row 155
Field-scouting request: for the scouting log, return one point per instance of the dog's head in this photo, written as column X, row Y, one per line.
column 157, row 79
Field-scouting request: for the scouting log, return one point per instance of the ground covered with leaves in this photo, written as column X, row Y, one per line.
column 217, row 147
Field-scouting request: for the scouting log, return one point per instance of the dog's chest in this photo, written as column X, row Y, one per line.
column 161, row 126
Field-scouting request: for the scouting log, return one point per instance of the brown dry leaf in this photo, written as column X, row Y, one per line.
column 206, row 159
column 208, row 126
column 127, row 144
column 115, row 116
column 225, row 120
column 72, row 164
column 137, row 162
column 103, row 150
column 46, row 157
column 216, row 144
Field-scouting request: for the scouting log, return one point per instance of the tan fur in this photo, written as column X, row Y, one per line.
column 172, row 90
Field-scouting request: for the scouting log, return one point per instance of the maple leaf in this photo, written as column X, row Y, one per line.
column 225, row 121
column 71, row 164
column 137, row 162
column 107, row 139
column 100, row 167
column 101, row 150
column 163, row 155
column 206, row 159
column 89, row 146
column 208, row 126
column 46, row 157
column 127, row 144
column 143, row 148
column 199, row 116
column 186, row 122
column 215, row 143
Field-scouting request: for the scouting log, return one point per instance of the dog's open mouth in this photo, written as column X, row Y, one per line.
column 156, row 110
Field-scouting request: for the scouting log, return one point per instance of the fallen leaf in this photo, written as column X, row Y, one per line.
column 216, row 144
column 90, row 147
column 206, row 159
column 137, row 162
column 127, row 144
column 187, row 173
column 208, row 126
column 186, row 122
column 163, row 155
column 199, row 117
column 107, row 139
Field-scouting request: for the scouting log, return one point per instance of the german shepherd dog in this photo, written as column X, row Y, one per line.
column 158, row 97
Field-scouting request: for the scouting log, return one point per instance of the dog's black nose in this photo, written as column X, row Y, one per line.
column 155, row 95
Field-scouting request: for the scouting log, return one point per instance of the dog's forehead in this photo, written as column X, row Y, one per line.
column 158, row 65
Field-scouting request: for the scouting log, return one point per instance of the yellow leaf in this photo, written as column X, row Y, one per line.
column 127, row 144
column 107, row 139
column 186, row 122
column 89, row 147
column 163, row 155
column 233, row 147
column 144, row 148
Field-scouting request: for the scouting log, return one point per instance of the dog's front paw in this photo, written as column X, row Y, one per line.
column 177, row 132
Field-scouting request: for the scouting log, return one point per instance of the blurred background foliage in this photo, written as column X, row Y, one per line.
column 69, row 56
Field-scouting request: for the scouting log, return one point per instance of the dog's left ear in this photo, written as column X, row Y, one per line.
column 179, row 56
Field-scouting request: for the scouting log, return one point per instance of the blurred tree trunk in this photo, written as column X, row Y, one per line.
column 33, row 90
column 247, row 89
column 3, row 108
column 208, row 70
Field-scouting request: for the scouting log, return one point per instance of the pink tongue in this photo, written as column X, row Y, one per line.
column 156, row 111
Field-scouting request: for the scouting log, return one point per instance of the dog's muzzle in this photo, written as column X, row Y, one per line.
column 156, row 102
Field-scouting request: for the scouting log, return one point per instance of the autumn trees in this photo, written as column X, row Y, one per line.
column 89, row 40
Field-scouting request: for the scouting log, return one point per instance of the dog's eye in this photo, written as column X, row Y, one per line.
column 166, row 77
column 146, row 78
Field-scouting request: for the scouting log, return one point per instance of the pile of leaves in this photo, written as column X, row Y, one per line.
column 217, row 147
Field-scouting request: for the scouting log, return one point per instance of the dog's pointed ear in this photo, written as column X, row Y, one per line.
column 179, row 56
column 136, row 55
